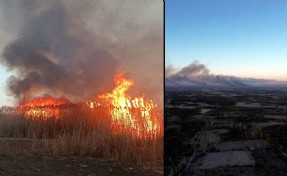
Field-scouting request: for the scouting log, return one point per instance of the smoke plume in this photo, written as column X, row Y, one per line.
column 198, row 74
column 74, row 48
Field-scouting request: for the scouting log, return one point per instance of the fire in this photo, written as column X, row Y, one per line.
column 134, row 115
column 137, row 116
column 43, row 107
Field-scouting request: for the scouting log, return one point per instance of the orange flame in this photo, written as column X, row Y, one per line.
column 133, row 115
column 136, row 116
column 43, row 107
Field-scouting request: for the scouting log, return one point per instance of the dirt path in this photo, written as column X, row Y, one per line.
column 31, row 165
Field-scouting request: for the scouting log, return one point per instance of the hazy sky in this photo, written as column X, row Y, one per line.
column 4, row 100
column 246, row 38
column 74, row 48
column 5, row 37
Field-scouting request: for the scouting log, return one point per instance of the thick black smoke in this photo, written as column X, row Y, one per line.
column 73, row 49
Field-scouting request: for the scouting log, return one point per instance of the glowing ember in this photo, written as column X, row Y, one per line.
column 135, row 115
column 43, row 107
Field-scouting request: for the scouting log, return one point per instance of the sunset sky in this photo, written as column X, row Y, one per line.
column 245, row 38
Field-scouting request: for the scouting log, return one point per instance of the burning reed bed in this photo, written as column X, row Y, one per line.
column 79, row 130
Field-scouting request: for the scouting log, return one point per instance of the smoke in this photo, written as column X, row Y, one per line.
column 73, row 49
column 198, row 74
column 193, row 70
column 169, row 71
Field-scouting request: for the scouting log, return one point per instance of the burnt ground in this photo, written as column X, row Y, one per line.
column 17, row 160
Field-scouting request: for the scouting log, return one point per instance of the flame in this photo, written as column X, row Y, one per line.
column 137, row 116
column 43, row 107
column 131, row 115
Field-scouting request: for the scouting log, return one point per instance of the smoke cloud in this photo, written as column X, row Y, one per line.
column 198, row 74
column 73, row 49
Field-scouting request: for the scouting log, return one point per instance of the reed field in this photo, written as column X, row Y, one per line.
column 77, row 130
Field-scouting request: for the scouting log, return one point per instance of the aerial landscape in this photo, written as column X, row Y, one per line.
column 225, row 88
column 226, row 131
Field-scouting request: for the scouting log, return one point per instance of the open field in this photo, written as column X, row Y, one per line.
column 242, row 144
column 242, row 133
column 230, row 158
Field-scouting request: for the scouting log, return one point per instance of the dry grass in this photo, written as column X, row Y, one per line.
column 84, row 132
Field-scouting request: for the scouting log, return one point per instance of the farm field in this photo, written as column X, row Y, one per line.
column 220, row 136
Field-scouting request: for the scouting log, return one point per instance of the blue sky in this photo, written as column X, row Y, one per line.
column 246, row 38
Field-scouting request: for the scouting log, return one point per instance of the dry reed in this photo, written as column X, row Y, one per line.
column 84, row 132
